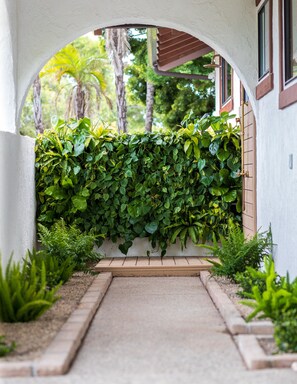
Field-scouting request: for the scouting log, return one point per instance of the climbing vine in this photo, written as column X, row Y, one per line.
column 165, row 186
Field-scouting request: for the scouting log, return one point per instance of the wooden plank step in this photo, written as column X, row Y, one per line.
column 154, row 266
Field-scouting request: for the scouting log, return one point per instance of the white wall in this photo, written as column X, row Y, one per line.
column 8, row 53
column 17, row 195
column 229, row 26
column 46, row 26
column 276, row 183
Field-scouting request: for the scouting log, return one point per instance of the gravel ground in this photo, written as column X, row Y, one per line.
column 33, row 337
column 231, row 290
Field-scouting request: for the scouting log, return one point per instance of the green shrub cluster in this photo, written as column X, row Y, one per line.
column 276, row 300
column 66, row 247
column 157, row 185
column 58, row 271
column 24, row 295
column 285, row 331
column 236, row 252
column 248, row 279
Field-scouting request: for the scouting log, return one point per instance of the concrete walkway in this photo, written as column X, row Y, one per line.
column 159, row 331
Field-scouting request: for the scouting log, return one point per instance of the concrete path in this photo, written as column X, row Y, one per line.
column 159, row 331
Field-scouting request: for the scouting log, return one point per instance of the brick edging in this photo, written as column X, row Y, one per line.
column 255, row 357
column 58, row 356
column 232, row 317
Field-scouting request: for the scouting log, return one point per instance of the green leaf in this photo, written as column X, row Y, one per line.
column 222, row 155
column 151, row 227
column 79, row 202
column 197, row 152
column 201, row 164
column 214, row 146
column 187, row 145
column 124, row 248
column 78, row 149
column 230, row 196
column 56, row 192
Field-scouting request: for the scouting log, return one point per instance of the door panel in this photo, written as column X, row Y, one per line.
column 249, row 204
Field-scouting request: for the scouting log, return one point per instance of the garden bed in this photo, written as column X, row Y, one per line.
column 223, row 294
column 55, row 351
column 33, row 337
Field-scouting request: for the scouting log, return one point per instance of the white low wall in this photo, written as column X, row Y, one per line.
column 141, row 247
column 17, row 195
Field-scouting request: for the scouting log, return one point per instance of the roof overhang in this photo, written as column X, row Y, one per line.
column 169, row 48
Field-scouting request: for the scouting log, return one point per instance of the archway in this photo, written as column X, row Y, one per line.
column 44, row 28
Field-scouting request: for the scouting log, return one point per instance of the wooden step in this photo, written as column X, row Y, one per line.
column 153, row 266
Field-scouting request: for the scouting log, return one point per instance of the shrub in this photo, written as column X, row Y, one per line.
column 6, row 348
column 143, row 185
column 24, row 295
column 279, row 296
column 236, row 253
column 248, row 279
column 65, row 242
column 57, row 271
column 285, row 331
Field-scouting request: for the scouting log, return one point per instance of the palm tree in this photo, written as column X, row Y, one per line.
column 150, row 94
column 84, row 74
column 117, row 46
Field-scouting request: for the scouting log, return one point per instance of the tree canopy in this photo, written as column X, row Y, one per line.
column 174, row 97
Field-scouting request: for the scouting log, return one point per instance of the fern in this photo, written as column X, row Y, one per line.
column 63, row 242
column 57, row 271
column 24, row 294
column 236, row 253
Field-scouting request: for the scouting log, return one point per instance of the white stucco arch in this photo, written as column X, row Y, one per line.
column 44, row 27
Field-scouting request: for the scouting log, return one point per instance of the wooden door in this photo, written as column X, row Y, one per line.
column 249, row 182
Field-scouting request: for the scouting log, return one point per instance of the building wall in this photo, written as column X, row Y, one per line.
column 17, row 195
column 46, row 26
column 229, row 26
column 8, row 64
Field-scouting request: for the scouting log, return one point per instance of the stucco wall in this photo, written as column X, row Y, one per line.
column 229, row 26
column 17, row 195
column 46, row 26
column 8, row 63
column 276, row 183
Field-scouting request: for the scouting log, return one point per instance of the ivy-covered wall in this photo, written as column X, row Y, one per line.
column 162, row 185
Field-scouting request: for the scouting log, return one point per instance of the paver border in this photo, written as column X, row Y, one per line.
column 255, row 357
column 58, row 356
column 231, row 315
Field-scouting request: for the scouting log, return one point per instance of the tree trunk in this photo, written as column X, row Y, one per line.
column 150, row 92
column 121, row 103
column 37, row 109
column 80, row 102
column 117, row 47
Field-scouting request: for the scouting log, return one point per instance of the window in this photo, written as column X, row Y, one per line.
column 288, row 52
column 263, row 40
column 265, row 72
column 290, row 39
column 226, row 77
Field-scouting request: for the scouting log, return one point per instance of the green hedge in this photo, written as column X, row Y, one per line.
column 160, row 185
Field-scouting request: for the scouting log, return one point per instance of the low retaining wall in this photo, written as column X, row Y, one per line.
column 142, row 248
column 17, row 195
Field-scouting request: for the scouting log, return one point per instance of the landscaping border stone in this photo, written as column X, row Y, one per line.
column 231, row 315
column 255, row 357
column 58, row 356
